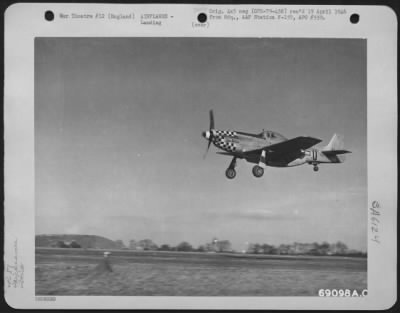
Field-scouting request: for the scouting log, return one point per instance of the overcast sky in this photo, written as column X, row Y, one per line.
column 118, row 146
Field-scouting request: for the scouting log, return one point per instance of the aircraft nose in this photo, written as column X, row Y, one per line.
column 206, row 134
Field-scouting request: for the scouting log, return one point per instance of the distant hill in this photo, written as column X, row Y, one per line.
column 85, row 241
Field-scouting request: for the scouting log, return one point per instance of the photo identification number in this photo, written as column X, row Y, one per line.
column 342, row 293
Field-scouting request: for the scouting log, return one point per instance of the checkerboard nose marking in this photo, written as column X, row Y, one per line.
column 222, row 142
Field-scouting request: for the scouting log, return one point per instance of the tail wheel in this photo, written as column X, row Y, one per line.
column 315, row 168
column 258, row 171
column 230, row 173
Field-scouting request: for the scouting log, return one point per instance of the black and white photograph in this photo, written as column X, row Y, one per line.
column 128, row 203
column 191, row 156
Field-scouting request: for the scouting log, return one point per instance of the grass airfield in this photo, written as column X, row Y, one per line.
column 156, row 273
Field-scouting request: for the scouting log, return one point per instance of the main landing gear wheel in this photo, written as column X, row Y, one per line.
column 230, row 173
column 258, row 171
column 315, row 168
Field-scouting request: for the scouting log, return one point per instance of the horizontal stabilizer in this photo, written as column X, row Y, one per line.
column 336, row 156
column 335, row 152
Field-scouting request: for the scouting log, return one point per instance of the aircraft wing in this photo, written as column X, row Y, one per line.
column 288, row 149
column 293, row 145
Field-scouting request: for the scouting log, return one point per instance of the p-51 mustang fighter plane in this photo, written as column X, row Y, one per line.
column 272, row 149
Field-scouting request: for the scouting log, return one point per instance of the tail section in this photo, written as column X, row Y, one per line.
column 334, row 150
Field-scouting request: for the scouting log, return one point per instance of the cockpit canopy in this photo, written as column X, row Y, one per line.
column 268, row 134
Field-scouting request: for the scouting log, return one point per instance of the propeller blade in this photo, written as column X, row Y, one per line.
column 208, row 135
column 211, row 119
column 208, row 148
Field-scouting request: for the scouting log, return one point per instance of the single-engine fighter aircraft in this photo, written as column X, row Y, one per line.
column 272, row 149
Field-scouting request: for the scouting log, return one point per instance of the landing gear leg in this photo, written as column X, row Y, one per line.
column 230, row 171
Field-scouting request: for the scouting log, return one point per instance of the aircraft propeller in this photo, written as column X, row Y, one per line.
column 208, row 134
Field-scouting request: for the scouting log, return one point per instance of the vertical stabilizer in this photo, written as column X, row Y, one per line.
column 336, row 143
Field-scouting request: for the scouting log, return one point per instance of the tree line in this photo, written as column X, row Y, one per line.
column 214, row 246
column 296, row 248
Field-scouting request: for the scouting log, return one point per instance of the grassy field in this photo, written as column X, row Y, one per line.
column 83, row 272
